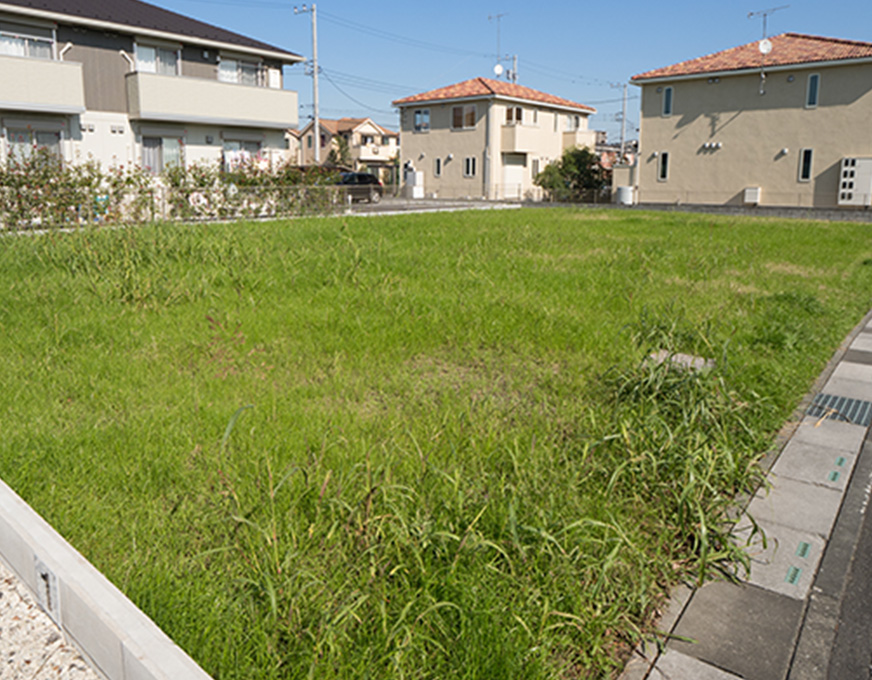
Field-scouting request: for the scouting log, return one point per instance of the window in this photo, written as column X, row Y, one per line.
column 667, row 101
column 159, row 153
column 812, row 90
column 23, row 142
column 573, row 123
column 158, row 60
column 463, row 117
column 238, row 153
column 422, row 120
column 17, row 40
column 469, row 166
column 238, row 71
column 535, row 116
column 309, row 141
column 368, row 139
column 663, row 166
column 534, row 168
column 805, row 164
column 556, row 121
column 514, row 115
column 437, row 168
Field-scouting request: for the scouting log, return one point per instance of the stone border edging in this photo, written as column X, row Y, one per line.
column 117, row 638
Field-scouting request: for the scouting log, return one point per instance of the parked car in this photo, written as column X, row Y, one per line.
column 362, row 186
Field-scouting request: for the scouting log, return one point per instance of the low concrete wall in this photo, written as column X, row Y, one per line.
column 120, row 641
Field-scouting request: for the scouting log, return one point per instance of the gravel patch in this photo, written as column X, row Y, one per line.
column 32, row 647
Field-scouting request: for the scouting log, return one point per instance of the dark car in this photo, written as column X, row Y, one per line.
column 362, row 186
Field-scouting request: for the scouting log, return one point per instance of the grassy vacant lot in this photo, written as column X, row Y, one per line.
column 410, row 447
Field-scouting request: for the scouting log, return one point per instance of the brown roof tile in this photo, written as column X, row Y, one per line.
column 787, row 49
column 487, row 87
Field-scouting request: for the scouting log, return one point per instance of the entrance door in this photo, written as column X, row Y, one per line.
column 514, row 171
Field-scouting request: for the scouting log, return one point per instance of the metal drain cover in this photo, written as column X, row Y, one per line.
column 855, row 411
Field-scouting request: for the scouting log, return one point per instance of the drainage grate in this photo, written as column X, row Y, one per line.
column 855, row 411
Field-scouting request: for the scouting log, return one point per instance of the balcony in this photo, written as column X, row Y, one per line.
column 41, row 85
column 579, row 138
column 374, row 153
column 521, row 138
column 210, row 102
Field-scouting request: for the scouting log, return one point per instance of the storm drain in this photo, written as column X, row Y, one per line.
column 855, row 411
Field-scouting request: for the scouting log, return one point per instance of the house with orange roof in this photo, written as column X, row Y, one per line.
column 485, row 138
column 779, row 122
column 371, row 147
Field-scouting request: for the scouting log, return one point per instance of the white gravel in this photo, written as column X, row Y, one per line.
column 32, row 647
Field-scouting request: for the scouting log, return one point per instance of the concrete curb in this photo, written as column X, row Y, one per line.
column 119, row 640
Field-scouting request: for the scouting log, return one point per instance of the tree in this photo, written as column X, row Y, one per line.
column 577, row 176
column 340, row 155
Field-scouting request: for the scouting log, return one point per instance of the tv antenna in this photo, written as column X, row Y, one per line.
column 512, row 73
column 764, row 13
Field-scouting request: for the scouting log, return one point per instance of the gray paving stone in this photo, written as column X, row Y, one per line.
column 806, row 507
column 741, row 629
column 785, row 562
column 815, row 465
column 832, row 434
column 857, row 356
column 676, row 666
column 852, row 380
column 862, row 342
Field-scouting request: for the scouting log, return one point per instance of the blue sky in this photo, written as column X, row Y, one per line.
column 371, row 53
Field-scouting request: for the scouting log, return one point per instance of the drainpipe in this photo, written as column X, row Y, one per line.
column 129, row 59
column 64, row 50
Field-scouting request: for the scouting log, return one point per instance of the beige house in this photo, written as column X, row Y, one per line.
column 782, row 122
column 371, row 147
column 485, row 138
column 125, row 82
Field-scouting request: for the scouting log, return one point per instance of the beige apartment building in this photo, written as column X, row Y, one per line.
column 125, row 82
column 780, row 122
column 485, row 138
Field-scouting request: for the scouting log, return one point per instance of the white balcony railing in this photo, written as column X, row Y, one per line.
column 198, row 100
column 41, row 85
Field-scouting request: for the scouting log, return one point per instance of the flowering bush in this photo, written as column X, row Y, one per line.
column 40, row 191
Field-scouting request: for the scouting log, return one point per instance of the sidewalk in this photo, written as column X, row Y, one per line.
column 781, row 620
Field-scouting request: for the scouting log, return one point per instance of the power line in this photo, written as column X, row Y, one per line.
column 356, row 101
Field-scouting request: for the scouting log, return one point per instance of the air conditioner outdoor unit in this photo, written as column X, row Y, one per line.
column 752, row 195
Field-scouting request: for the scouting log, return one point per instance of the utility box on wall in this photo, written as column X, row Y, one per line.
column 855, row 182
column 752, row 196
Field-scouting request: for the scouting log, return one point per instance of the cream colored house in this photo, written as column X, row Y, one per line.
column 785, row 125
column 125, row 82
column 485, row 138
column 372, row 148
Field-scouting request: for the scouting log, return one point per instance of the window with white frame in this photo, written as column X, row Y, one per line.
column 238, row 153
column 463, row 117
column 469, row 166
column 667, row 101
column 663, row 166
column 422, row 120
column 18, row 40
column 805, row 164
column 159, row 153
column 437, row 168
column 573, row 123
column 812, row 90
column 239, row 71
column 160, row 60
column 514, row 115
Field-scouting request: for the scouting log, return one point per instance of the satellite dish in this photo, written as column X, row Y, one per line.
column 765, row 46
column 498, row 70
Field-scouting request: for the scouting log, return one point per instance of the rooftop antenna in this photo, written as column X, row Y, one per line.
column 764, row 13
column 512, row 73
column 765, row 45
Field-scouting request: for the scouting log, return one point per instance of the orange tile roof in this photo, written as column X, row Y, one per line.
column 488, row 87
column 787, row 49
column 334, row 127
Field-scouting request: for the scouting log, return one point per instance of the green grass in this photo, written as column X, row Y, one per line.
column 415, row 446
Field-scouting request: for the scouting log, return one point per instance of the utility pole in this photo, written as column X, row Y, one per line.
column 623, row 124
column 317, row 126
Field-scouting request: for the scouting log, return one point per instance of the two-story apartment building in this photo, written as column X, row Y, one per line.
column 126, row 82
column 485, row 138
column 780, row 122
column 371, row 147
